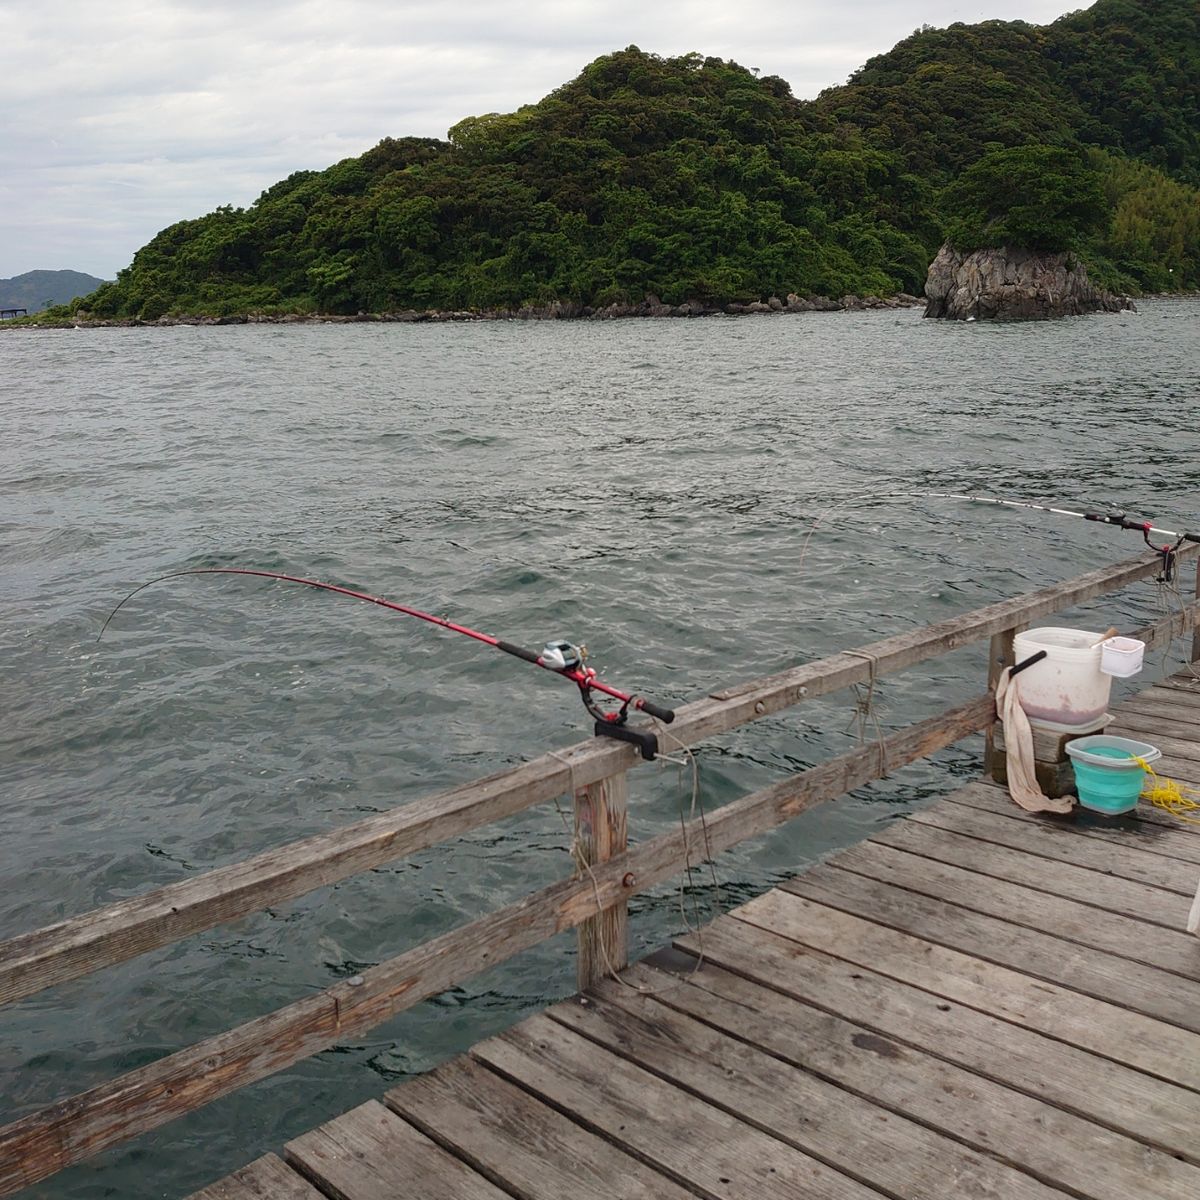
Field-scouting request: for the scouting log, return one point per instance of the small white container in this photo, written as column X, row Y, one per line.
column 1121, row 656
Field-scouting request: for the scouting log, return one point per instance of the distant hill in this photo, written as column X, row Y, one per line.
column 693, row 179
column 36, row 290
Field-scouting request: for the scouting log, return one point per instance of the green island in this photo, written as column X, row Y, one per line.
column 696, row 181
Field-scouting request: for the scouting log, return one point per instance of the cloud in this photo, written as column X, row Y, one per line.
column 135, row 114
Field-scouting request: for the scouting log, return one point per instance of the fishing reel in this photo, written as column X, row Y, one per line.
column 561, row 655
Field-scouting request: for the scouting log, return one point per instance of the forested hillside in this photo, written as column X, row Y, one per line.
column 693, row 179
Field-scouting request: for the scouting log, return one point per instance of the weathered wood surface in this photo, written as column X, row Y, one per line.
column 1099, row 1026
column 267, row 1178
column 372, row 1152
column 1106, row 1092
column 799, row 1107
column 1150, row 830
column 698, row 1144
column 601, row 816
column 1103, row 923
column 484, row 1118
column 1144, row 989
column 1001, row 656
column 54, row 1137
column 1111, row 852
column 71, row 948
column 1196, row 633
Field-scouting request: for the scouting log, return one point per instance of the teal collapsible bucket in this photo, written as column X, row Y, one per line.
column 1107, row 779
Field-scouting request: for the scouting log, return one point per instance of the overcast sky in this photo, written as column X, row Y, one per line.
column 120, row 117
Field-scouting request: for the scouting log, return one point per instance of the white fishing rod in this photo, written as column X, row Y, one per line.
column 1146, row 528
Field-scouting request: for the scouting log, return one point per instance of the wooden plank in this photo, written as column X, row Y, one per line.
column 1119, row 1097
column 267, row 1178
column 520, row 1143
column 1196, row 634
column 1174, row 736
column 1001, row 656
column 699, row 1145
column 1107, row 1029
column 1091, row 924
column 120, row 931
column 370, row 1153
column 1053, row 1145
column 1145, row 830
column 1181, row 705
column 1155, row 993
column 1175, row 625
column 601, row 812
column 54, row 1137
column 885, row 1150
column 1086, row 885
column 1062, row 843
column 1184, row 682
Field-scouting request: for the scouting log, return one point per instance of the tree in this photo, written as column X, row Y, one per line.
column 1035, row 197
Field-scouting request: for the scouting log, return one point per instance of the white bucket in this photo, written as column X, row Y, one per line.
column 1121, row 656
column 1067, row 687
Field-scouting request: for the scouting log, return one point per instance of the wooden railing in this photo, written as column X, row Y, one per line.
column 594, row 901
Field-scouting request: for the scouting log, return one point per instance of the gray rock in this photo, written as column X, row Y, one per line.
column 1013, row 285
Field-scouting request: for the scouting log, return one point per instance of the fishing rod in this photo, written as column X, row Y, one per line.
column 1144, row 527
column 1165, row 550
column 559, row 657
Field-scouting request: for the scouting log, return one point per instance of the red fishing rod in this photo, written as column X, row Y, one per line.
column 559, row 657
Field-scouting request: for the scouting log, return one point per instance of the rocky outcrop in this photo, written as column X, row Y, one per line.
column 1013, row 285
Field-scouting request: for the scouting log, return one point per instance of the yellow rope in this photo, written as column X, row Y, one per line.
column 1168, row 795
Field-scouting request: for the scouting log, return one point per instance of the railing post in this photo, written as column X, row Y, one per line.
column 1196, row 630
column 1000, row 658
column 600, row 834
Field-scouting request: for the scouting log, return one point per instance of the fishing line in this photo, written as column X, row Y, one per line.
column 558, row 657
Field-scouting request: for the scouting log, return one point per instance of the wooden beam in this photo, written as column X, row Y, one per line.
column 113, row 934
column 1196, row 634
column 1000, row 658
column 601, row 811
column 73, row 1129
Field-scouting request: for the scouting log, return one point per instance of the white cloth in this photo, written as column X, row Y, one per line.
column 1023, row 786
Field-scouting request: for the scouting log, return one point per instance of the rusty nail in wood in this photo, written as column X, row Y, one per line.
column 760, row 708
column 629, row 880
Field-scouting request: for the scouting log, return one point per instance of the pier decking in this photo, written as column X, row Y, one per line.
column 972, row 1003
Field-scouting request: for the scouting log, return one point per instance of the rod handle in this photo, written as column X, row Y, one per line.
column 666, row 715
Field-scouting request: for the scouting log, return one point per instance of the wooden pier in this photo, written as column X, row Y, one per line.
column 972, row 1003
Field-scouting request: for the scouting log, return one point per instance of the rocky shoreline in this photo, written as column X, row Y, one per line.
column 651, row 306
